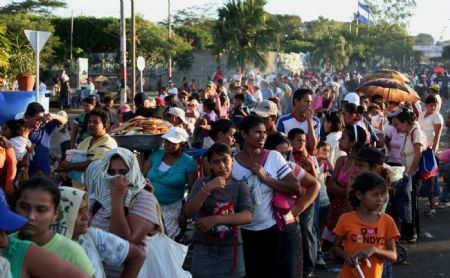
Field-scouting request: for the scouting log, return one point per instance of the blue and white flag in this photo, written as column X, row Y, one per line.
column 364, row 14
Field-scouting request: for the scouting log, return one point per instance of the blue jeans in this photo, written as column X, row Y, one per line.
column 309, row 237
column 319, row 212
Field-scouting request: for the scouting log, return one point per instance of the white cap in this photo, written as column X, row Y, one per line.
column 178, row 112
column 352, row 98
column 176, row 135
column 62, row 113
column 172, row 91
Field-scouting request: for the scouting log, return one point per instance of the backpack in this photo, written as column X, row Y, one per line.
column 428, row 165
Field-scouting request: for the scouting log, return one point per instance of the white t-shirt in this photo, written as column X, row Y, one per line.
column 427, row 124
column 416, row 135
column 19, row 144
column 275, row 167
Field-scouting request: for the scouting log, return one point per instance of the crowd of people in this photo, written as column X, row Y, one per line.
column 278, row 175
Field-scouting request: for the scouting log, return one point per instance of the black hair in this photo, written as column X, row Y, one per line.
column 250, row 122
column 353, row 108
column 33, row 109
column 221, row 125
column 274, row 140
column 91, row 100
column 219, row 149
column 431, row 99
column 361, row 135
column 300, row 94
column 376, row 98
column 321, row 144
column 222, row 99
column 406, row 116
column 335, row 119
column 294, row 132
column 239, row 96
column 107, row 99
column 363, row 183
column 43, row 183
column 103, row 116
column 209, row 104
column 17, row 127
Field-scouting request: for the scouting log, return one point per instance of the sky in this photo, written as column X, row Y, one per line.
column 430, row 16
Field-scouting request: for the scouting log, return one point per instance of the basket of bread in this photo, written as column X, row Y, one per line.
column 142, row 134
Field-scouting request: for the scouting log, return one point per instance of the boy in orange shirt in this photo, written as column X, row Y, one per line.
column 366, row 233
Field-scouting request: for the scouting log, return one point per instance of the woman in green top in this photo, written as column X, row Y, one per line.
column 25, row 258
column 38, row 200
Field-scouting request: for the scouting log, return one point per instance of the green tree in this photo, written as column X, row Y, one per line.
column 244, row 32
column 42, row 7
column 392, row 11
column 424, row 39
column 446, row 53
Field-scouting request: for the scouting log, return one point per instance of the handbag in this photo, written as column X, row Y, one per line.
column 164, row 257
column 428, row 165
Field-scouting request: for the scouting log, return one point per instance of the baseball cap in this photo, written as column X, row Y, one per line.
column 176, row 135
column 266, row 108
column 123, row 108
column 210, row 84
column 172, row 91
column 435, row 87
column 9, row 221
column 140, row 98
column 352, row 98
column 178, row 112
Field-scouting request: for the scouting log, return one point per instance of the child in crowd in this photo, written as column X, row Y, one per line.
column 366, row 236
column 238, row 111
column 15, row 131
column 219, row 204
column 297, row 137
column 322, row 204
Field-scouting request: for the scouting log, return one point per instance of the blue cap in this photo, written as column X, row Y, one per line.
column 9, row 221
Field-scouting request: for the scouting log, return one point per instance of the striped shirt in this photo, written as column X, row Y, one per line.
column 291, row 121
column 143, row 206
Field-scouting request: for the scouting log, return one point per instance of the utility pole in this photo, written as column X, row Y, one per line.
column 71, row 36
column 123, row 54
column 169, row 35
column 133, row 52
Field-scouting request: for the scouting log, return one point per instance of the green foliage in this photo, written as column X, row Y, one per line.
column 42, row 7
column 424, row 39
column 446, row 53
column 5, row 45
column 244, row 32
column 392, row 11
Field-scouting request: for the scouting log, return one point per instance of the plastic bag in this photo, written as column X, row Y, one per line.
column 76, row 156
column 164, row 257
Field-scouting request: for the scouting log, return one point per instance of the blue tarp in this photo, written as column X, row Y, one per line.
column 13, row 102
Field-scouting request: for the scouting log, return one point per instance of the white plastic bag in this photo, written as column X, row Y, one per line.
column 164, row 257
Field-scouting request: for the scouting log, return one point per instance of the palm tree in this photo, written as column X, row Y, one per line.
column 245, row 32
column 4, row 47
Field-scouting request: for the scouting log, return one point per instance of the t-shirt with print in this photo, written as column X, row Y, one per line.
column 274, row 167
column 42, row 137
column 358, row 235
column 396, row 144
column 101, row 246
column 71, row 252
column 291, row 121
column 415, row 136
column 169, row 186
column 234, row 198
column 427, row 124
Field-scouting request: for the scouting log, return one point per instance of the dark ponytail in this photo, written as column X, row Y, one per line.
column 356, row 134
